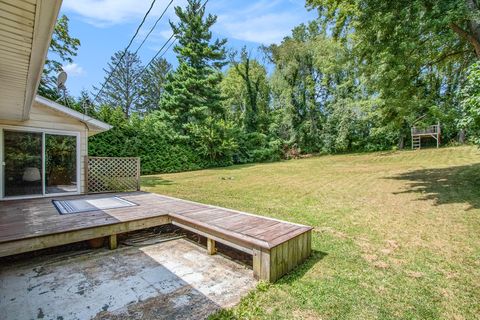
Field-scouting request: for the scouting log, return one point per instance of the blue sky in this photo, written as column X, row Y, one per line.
column 106, row 26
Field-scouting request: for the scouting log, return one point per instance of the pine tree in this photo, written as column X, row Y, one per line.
column 122, row 84
column 192, row 93
column 153, row 83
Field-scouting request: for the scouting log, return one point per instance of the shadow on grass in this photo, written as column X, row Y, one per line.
column 245, row 310
column 153, row 181
column 303, row 268
column 459, row 184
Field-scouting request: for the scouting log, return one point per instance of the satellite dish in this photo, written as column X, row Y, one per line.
column 61, row 79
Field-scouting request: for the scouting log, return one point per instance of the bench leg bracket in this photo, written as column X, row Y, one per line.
column 112, row 242
column 211, row 246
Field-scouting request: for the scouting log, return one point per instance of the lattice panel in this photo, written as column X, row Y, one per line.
column 105, row 174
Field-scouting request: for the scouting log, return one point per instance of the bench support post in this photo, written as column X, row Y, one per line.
column 112, row 242
column 211, row 248
column 271, row 264
column 261, row 264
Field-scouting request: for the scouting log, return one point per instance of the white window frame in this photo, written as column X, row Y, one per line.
column 43, row 131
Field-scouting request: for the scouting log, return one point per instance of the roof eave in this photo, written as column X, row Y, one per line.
column 93, row 125
column 45, row 18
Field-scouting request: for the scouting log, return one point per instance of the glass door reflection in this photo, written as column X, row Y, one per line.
column 22, row 163
column 60, row 163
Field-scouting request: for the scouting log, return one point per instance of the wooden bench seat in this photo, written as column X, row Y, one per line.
column 276, row 246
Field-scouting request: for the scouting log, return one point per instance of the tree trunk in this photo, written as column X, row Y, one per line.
column 472, row 35
column 461, row 136
column 401, row 142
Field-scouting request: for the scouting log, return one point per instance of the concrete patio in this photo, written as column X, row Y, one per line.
column 169, row 280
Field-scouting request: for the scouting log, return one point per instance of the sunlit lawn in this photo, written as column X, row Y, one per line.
column 397, row 235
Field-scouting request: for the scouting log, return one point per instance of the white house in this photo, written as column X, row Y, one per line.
column 42, row 143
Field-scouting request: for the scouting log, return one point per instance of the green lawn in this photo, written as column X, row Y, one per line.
column 397, row 235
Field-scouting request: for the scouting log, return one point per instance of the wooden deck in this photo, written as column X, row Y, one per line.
column 277, row 246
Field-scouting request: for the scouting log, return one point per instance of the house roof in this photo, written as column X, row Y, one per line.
column 93, row 124
column 26, row 27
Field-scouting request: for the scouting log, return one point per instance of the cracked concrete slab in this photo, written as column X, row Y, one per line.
column 170, row 280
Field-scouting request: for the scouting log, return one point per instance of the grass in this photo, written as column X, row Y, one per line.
column 397, row 234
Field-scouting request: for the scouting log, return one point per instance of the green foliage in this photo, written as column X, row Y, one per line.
column 247, row 92
column 63, row 47
column 192, row 94
column 411, row 55
column 257, row 147
column 355, row 79
column 470, row 103
column 192, row 102
column 150, row 138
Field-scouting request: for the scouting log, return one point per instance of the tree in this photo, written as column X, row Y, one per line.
column 63, row 48
column 304, row 83
column 409, row 52
column 247, row 92
column 123, row 83
column 153, row 84
column 192, row 93
column 192, row 98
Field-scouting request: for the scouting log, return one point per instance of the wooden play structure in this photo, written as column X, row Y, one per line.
column 419, row 132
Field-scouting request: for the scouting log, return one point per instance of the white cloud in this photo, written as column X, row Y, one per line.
column 261, row 21
column 264, row 22
column 73, row 69
column 104, row 13
column 265, row 29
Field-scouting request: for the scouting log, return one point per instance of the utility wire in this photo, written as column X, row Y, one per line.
column 125, row 51
column 156, row 55
column 163, row 46
column 154, row 25
column 158, row 52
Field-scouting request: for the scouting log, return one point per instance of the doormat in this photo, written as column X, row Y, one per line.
column 85, row 205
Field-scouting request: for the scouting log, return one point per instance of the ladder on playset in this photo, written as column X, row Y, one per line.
column 431, row 131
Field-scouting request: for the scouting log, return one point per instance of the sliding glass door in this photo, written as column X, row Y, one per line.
column 22, row 163
column 39, row 163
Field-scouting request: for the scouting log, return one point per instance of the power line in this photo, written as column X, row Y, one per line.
column 156, row 55
column 163, row 46
column 154, row 25
column 158, row 52
column 125, row 51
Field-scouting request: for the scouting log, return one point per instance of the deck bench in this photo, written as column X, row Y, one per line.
column 276, row 246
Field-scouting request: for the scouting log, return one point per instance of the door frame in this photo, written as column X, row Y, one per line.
column 44, row 131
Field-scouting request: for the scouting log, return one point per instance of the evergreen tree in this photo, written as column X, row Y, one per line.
column 153, row 84
column 192, row 93
column 123, row 85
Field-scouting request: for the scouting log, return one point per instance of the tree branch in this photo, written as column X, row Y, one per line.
column 467, row 36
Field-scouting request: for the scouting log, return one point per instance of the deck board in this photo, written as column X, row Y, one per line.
column 23, row 219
